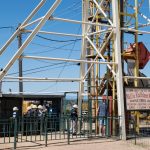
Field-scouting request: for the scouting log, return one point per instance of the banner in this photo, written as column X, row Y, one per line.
column 137, row 99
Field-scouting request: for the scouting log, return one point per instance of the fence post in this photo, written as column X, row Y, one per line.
column 81, row 124
column 15, row 133
column 120, row 128
column 46, row 138
column 134, row 123
column 22, row 127
column 106, row 126
column 68, row 130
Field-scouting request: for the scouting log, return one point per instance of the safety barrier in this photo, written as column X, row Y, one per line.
column 139, row 134
column 34, row 129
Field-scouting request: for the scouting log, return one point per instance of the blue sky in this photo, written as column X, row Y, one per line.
column 13, row 12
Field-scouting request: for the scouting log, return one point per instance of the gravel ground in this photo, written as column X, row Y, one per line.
column 96, row 144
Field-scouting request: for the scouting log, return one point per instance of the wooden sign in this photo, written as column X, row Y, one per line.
column 137, row 99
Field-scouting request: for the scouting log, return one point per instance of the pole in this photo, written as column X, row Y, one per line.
column 20, row 61
column 136, row 67
column 119, row 80
column 83, row 53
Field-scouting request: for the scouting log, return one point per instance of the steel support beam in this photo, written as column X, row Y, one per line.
column 119, row 75
column 29, row 39
column 133, row 77
column 67, row 60
column 135, row 31
column 43, row 79
column 53, row 33
column 101, row 10
column 23, row 24
column 83, row 54
column 80, row 22
column 98, row 52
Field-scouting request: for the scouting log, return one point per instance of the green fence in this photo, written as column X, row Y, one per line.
column 32, row 129
column 139, row 137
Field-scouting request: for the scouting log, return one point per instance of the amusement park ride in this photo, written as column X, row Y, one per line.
column 110, row 31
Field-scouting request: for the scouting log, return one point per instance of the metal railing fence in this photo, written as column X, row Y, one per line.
column 34, row 129
column 139, row 134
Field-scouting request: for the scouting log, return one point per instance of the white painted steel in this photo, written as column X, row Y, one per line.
column 132, row 77
column 83, row 54
column 98, row 52
column 67, row 60
column 134, row 30
column 43, row 79
column 79, row 22
column 101, row 10
column 55, row 33
column 29, row 39
column 119, row 75
column 31, row 23
column 101, row 49
column 24, row 23
column 100, row 31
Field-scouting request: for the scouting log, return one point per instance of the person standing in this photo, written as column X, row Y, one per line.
column 29, row 112
column 34, row 111
column 102, row 116
column 15, row 112
column 40, row 111
column 15, row 120
column 74, row 119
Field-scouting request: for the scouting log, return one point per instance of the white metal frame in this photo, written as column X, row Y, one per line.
column 119, row 75
column 44, row 79
column 68, row 60
column 41, row 21
column 30, row 37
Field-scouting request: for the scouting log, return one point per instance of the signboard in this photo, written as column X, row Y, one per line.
column 137, row 99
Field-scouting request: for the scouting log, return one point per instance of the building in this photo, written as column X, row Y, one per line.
column 8, row 101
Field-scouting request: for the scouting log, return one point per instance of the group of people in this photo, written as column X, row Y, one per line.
column 35, row 111
column 101, row 114
column 40, row 111
column 32, row 111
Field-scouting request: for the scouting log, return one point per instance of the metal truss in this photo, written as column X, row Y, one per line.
column 97, row 49
column 40, row 24
column 96, row 36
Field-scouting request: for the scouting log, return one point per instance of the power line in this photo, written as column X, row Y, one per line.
column 69, row 54
column 51, row 48
column 42, row 70
column 63, row 41
column 37, row 68
column 70, row 8
column 7, row 27
column 63, row 66
column 55, row 48
column 47, row 66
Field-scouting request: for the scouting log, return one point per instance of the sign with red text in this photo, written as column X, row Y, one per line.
column 137, row 99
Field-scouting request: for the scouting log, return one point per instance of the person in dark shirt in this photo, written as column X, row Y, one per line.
column 102, row 114
column 28, row 112
column 34, row 111
column 74, row 119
